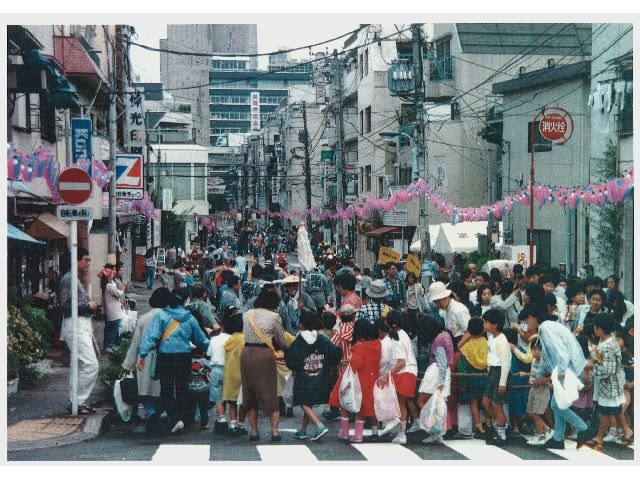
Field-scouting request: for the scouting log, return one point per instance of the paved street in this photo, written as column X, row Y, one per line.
column 122, row 443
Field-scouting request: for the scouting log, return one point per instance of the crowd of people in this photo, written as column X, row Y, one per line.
column 514, row 353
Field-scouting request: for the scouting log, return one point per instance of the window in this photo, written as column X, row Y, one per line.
column 229, row 64
column 361, row 121
column 367, row 120
column 442, row 65
column 229, row 116
column 360, row 62
column 47, row 120
column 367, row 176
column 229, row 99
column 366, row 62
column 541, row 144
column 362, row 178
column 542, row 242
column 199, row 181
column 181, row 181
column 380, row 187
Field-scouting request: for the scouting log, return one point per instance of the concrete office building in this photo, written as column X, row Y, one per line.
column 186, row 77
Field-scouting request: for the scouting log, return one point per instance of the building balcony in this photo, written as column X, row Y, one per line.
column 78, row 61
column 172, row 135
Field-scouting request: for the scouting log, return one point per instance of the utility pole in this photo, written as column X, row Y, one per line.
column 307, row 164
column 339, row 146
column 419, row 139
column 113, row 141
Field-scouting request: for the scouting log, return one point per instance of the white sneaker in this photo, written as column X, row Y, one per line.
column 548, row 433
column 611, row 437
column 389, row 426
column 538, row 440
column 432, row 439
column 178, row 427
column 415, row 427
column 400, row 439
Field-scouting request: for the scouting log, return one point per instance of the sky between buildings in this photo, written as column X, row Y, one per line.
column 287, row 31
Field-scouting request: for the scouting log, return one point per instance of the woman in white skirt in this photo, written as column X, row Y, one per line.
column 438, row 374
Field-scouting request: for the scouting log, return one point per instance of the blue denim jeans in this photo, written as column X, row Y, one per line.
column 149, row 274
column 561, row 417
column 111, row 333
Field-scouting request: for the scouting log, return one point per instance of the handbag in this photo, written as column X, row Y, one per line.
column 277, row 354
column 153, row 368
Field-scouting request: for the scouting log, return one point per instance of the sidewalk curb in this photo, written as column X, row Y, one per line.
column 92, row 428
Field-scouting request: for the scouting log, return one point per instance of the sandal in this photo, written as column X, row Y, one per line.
column 82, row 410
column 276, row 437
column 254, row 438
column 594, row 444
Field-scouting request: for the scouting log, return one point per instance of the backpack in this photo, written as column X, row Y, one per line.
column 195, row 311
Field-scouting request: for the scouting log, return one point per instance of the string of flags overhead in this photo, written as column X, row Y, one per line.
column 615, row 190
column 41, row 163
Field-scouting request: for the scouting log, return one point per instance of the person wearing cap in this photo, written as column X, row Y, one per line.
column 456, row 315
column 294, row 303
column 376, row 308
column 172, row 331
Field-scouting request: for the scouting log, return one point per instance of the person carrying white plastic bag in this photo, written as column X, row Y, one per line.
column 350, row 391
column 385, row 401
column 433, row 416
column 561, row 352
column 565, row 392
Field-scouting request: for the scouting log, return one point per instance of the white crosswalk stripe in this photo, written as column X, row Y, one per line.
column 287, row 454
column 476, row 451
column 479, row 452
column 182, row 454
column 387, row 454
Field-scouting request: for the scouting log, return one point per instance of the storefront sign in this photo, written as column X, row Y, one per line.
column 255, row 111
column 135, row 127
column 129, row 179
column 81, row 150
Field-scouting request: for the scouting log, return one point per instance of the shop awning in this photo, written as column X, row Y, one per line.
column 48, row 227
column 14, row 233
column 378, row 232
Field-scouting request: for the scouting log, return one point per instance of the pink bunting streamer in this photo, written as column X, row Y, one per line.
column 613, row 191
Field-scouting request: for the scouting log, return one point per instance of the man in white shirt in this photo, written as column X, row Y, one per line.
column 456, row 315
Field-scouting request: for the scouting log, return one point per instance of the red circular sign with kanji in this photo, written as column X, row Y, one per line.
column 74, row 186
column 556, row 125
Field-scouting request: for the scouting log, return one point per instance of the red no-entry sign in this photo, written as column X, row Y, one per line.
column 74, row 186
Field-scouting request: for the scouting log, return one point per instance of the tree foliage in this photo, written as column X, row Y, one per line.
column 610, row 217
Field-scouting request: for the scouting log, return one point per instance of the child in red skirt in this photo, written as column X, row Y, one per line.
column 365, row 361
column 404, row 375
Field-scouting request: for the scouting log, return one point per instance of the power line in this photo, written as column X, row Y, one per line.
column 251, row 55
column 267, row 73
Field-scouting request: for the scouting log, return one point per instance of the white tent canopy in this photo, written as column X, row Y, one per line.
column 460, row 238
column 416, row 243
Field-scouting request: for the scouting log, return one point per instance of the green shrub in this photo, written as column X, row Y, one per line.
column 25, row 343
column 112, row 371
